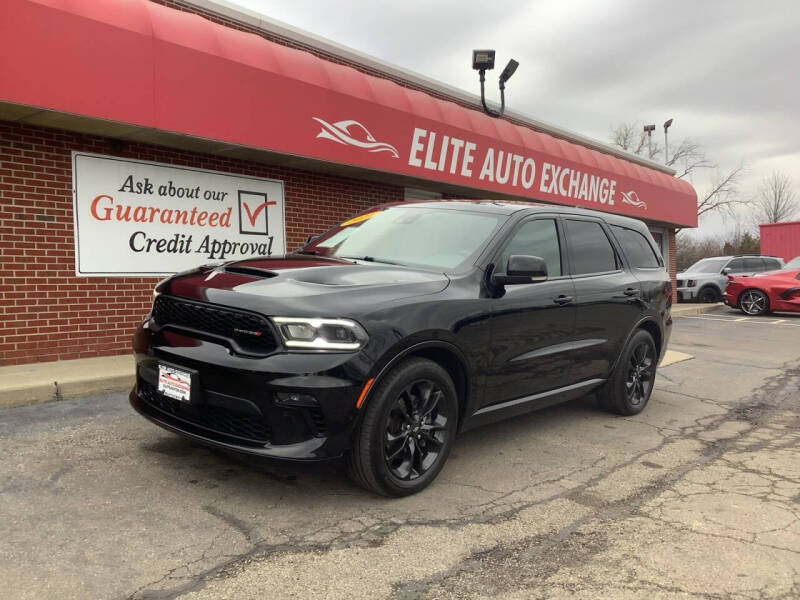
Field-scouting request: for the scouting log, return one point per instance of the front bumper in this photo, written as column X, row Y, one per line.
column 686, row 294
column 246, row 404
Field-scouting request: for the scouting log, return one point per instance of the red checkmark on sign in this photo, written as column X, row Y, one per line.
column 252, row 216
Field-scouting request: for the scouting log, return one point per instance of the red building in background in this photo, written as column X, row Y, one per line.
column 781, row 239
column 139, row 138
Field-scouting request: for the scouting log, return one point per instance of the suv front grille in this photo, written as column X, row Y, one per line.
column 213, row 418
column 248, row 333
column 679, row 282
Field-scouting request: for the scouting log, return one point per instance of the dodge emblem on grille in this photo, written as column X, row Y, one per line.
column 247, row 331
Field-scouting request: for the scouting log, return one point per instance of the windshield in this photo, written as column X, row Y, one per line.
column 793, row 264
column 437, row 238
column 708, row 265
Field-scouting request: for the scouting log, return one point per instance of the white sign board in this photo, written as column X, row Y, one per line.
column 134, row 217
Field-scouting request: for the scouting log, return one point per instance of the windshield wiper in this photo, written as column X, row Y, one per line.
column 370, row 259
column 311, row 252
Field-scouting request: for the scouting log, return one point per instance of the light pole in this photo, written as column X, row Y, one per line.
column 482, row 61
column 649, row 129
column 666, row 141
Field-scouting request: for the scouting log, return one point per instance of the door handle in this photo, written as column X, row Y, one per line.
column 562, row 299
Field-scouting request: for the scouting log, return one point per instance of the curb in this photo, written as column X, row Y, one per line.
column 684, row 310
column 36, row 383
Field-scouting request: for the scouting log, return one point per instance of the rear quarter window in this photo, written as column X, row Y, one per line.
column 637, row 249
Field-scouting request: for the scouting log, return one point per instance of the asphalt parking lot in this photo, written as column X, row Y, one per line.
column 699, row 496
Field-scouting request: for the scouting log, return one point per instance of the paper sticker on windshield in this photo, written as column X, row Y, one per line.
column 360, row 218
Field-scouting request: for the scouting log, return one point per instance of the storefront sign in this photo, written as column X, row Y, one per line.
column 142, row 218
column 185, row 76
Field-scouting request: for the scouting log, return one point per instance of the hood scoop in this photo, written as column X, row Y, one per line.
column 251, row 271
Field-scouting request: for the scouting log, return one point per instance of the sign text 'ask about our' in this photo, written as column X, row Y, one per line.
column 144, row 218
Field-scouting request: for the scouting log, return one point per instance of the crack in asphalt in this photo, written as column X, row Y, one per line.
column 564, row 547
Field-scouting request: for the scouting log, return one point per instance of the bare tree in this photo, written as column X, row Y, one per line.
column 687, row 158
column 723, row 194
column 776, row 200
column 631, row 137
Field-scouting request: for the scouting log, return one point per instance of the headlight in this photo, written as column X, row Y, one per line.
column 691, row 282
column 320, row 334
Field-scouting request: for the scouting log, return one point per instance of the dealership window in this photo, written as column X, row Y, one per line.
column 413, row 194
column 662, row 242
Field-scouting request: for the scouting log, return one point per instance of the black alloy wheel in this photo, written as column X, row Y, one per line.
column 639, row 379
column 709, row 295
column 416, row 430
column 754, row 302
column 628, row 389
column 407, row 429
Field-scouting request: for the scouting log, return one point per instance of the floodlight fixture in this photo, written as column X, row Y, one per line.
column 482, row 61
column 511, row 67
column 667, row 123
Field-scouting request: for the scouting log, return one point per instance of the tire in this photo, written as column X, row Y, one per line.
column 708, row 295
column 407, row 430
column 629, row 388
column 753, row 302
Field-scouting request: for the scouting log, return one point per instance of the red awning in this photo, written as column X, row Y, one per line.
column 139, row 63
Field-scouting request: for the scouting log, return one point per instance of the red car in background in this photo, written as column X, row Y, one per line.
column 765, row 292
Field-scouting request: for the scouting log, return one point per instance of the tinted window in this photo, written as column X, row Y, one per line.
column 536, row 238
column 754, row 264
column 771, row 264
column 708, row 265
column 636, row 247
column 430, row 237
column 590, row 249
column 737, row 266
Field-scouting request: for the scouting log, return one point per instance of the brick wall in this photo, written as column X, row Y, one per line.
column 673, row 262
column 46, row 312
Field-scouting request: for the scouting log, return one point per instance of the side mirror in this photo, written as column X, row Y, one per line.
column 523, row 269
column 726, row 270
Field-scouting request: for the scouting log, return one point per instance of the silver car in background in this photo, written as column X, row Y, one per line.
column 705, row 280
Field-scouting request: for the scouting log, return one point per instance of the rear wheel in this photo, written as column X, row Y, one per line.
column 754, row 303
column 708, row 295
column 407, row 430
column 630, row 385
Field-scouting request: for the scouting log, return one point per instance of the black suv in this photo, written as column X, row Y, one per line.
column 386, row 336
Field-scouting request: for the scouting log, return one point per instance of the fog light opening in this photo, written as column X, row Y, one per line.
column 295, row 399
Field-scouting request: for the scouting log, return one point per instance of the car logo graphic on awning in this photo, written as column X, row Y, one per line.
column 353, row 133
column 632, row 198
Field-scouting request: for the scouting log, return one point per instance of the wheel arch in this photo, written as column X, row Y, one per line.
column 651, row 326
column 443, row 353
column 758, row 289
column 710, row 285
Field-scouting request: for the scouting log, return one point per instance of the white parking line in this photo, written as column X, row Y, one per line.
column 755, row 320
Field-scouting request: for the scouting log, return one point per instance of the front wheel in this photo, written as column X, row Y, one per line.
column 708, row 295
column 407, row 430
column 628, row 389
column 754, row 303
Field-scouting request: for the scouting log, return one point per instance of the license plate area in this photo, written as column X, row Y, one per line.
column 177, row 383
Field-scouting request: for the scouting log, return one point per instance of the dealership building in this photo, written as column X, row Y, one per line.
column 139, row 138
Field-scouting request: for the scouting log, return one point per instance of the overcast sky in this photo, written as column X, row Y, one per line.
column 727, row 71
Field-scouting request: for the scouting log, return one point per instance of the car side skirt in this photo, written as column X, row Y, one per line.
column 519, row 406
